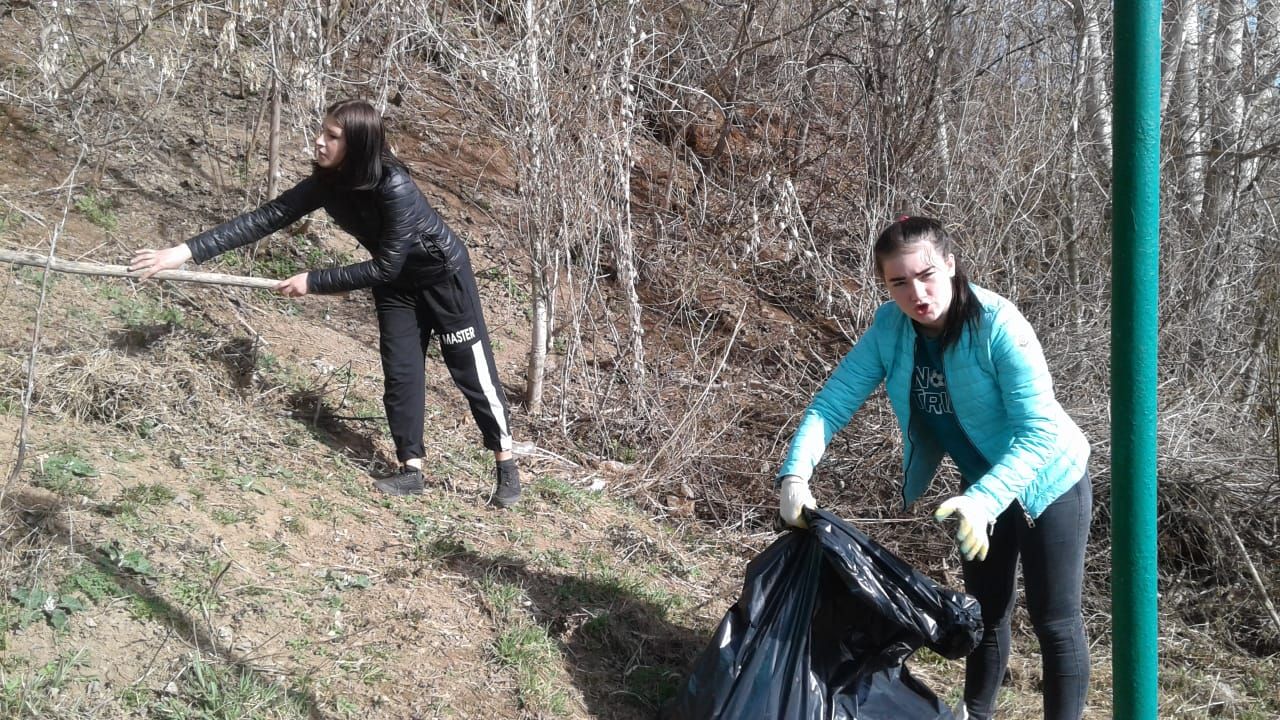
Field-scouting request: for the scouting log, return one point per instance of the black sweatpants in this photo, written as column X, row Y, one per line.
column 407, row 320
column 1052, row 553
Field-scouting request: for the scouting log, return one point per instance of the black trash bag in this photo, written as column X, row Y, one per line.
column 826, row 619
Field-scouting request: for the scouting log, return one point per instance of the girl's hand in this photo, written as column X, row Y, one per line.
column 295, row 286
column 793, row 498
column 151, row 261
column 973, row 529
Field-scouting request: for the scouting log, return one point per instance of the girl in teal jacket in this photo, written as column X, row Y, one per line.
column 966, row 376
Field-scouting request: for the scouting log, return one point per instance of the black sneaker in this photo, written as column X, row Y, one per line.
column 406, row 482
column 508, row 490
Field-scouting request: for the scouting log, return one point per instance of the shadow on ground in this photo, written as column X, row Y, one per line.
column 621, row 649
column 42, row 517
column 354, row 438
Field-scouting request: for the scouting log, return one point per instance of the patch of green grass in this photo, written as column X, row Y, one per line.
column 10, row 405
column 96, row 585
column 302, row 252
column 126, row 455
column 623, row 453
column 505, row 280
column 33, row 276
column 518, row 537
column 110, row 290
column 146, row 428
column 363, row 666
column 134, row 697
column 604, row 584
column 271, row 548
column 195, row 594
column 347, row 708
column 126, row 562
column 434, row 538
column 560, row 494
column 250, row 484
column 139, row 311
column 10, row 221
column 34, row 694
column 98, row 209
column 527, row 650
column 654, row 685
column 342, row 580
column 554, row 557
column 321, row 508
column 147, row 608
column 86, row 316
column 135, row 498
column 502, row 599
column 207, row 691
column 66, row 474
column 229, row 516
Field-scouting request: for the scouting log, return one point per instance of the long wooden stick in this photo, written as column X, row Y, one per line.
column 88, row 268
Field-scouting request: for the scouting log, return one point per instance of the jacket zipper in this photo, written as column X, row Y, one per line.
column 943, row 359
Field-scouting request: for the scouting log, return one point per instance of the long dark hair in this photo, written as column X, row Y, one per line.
column 367, row 152
column 964, row 309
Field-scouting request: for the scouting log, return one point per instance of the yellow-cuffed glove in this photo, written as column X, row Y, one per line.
column 793, row 497
column 975, row 523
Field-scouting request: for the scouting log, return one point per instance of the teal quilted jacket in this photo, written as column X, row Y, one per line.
column 1002, row 395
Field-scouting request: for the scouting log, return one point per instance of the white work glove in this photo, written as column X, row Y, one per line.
column 794, row 496
column 975, row 523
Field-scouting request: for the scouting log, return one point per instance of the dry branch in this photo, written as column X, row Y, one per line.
column 88, row 268
column 1253, row 572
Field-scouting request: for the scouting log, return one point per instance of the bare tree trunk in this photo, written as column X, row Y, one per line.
column 1097, row 99
column 1267, row 50
column 1071, row 182
column 273, row 143
column 937, row 51
column 1185, row 107
column 1226, row 116
column 1174, row 31
column 624, row 161
column 538, row 336
column 538, row 125
column 1225, row 113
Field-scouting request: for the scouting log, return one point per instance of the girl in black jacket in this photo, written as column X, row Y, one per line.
column 419, row 272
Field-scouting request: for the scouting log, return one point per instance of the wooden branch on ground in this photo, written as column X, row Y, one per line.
column 89, row 268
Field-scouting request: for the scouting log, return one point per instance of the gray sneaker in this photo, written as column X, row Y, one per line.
column 508, row 490
column 406, row 482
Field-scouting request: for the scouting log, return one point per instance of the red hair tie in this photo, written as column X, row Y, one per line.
column 903, row 218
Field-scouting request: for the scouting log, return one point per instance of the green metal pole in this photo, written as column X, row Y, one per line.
column 1135, row 228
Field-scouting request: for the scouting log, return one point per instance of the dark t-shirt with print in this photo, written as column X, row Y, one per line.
column 931, row 403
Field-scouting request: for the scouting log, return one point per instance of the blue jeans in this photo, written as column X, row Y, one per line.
column 1052, row 552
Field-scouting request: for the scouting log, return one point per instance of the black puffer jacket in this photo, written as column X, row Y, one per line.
column 410, row 243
